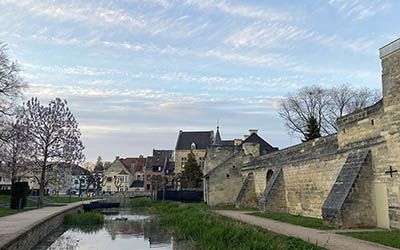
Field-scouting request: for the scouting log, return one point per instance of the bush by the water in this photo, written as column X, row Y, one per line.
column 84, row 219
column 19, row 192
column 195, row 222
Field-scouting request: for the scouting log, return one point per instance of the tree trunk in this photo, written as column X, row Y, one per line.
column 41, row 186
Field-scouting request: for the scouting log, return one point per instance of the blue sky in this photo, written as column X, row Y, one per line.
column 136, row 72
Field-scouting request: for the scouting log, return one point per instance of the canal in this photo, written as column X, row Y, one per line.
column 123, row 229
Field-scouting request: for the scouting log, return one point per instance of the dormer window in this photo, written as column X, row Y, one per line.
column 193, row 146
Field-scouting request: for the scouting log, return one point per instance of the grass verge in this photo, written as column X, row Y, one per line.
column 232, row 207
column 388, row 238
column 65, row 199
column 294, row 219
column 196, row 223
column 6, row 211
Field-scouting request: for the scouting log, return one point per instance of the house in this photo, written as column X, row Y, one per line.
column 136, row 167
column 192, row 141
column 118, row 177
column 158, row 166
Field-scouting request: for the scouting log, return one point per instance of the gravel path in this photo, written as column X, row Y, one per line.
column 322, row 238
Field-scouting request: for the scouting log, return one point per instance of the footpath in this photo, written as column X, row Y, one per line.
column 322, row 238
column 12, row 226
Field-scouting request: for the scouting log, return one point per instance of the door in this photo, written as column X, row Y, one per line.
column 382, row 206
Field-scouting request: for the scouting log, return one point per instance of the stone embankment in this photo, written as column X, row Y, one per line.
column 24, row 230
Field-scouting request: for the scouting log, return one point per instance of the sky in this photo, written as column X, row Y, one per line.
column 135, row 72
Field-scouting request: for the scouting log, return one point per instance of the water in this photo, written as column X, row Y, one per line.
column 137, row 232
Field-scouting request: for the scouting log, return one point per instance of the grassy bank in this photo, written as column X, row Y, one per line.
column 65, row 199
column 387, row 238
column 6, row 211
column 294, row 219
column 7, row 198
column 196, row 223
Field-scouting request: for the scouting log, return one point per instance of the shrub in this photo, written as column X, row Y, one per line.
column 19, row 192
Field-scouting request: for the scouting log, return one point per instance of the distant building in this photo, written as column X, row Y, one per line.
column 158, row 166
column 192, row 141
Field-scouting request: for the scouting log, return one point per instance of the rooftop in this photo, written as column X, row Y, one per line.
column 389, row 48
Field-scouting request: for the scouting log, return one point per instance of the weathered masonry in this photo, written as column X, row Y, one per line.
column 349, row 179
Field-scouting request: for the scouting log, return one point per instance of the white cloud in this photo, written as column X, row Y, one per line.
column 361, row 9
column 260, row 35
column 242, row 10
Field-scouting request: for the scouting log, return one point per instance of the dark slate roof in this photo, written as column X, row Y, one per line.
column 217, row 139
column 265, row 147
column 202, row 139
column 78, row 170
column 160, row 156
column 137, row 184
column 149, row 162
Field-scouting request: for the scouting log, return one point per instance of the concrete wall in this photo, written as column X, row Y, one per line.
column 32, row 235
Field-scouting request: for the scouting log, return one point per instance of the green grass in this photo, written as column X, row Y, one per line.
column 231, row 207
column 294, row 219
column 6, row 211
column 7, row 198
column 84, row 219
column 196, row 223
column 65, row 199
column 388, row 238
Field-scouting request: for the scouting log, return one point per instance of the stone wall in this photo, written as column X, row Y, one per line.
column 31, row 236
column 179, row 154
column 222, row 184
column 217, row 155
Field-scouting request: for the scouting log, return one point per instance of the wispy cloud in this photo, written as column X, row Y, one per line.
column 361, row 9
column 242, row 10
column 271, row 35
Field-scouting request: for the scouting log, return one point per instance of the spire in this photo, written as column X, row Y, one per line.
column 217, row 139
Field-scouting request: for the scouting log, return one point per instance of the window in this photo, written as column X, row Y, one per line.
column 109, row 179
column 148, row 177
column 138, row 177
column 0, row 178
column 108, row 188
column 76, row 182
column 148, row 187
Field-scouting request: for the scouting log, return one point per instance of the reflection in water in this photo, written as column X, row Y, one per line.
column 137, row 232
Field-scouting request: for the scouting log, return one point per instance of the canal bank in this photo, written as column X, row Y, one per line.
column 24, row 230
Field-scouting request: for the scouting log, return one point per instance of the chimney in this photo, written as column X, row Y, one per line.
column 116, row 158
column 253, row 131
column 245, row 137
column 237, row 142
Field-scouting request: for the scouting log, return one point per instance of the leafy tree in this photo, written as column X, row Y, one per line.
column 191, row 175
column 99, row 167
column 53, row 136
column 312, row 130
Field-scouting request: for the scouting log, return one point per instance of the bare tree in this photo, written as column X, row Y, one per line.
column 14, row 149
column 297, row 109
column 326, row 105
column 54, row 136
column 11, row 84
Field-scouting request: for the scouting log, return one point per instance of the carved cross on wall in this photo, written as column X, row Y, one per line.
column 391, row 171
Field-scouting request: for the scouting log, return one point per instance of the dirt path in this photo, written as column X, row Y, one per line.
column 322, row 238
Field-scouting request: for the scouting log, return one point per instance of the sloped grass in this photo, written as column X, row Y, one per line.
column 65, row 199
column 196, row 223
column 388, row 238
column 7, row 198
column 294, row 219
column 6, row 211
column 84, row 219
